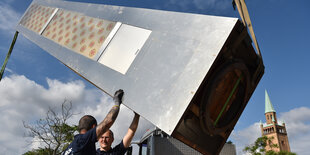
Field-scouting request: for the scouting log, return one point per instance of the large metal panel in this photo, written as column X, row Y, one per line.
column 169, row 68
column 191, row 75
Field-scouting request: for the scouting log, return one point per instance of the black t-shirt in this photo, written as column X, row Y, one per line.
column 83, row 144
column 117, row 150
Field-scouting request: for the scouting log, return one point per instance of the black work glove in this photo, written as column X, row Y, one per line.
column 118, row 97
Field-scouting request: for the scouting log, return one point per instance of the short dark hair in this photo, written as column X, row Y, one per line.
column 111, row 133
column 87, row 122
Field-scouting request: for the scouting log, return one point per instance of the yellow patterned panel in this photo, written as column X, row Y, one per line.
column 36, row 17
column 82, row 34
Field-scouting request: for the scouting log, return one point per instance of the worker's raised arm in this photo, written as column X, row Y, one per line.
column 131, row 131
column 111, row 116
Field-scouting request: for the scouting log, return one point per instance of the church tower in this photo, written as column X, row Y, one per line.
column 274, row 130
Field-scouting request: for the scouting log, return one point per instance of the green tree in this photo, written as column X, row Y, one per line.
column 258, row 148
column 39, row 151
column 280, row 153
column 53, row 131
column 229, row 142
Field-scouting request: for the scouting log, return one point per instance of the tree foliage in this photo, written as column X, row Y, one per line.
column 229, row 142
column 258, row 148
column 280, row 153
column 39, row 151
column 53, row 131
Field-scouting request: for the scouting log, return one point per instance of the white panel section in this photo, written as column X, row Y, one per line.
column 124, row 48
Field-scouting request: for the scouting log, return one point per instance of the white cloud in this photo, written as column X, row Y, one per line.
column 245, row 136
column 297, row 124
column 298, row 128
column 23, row 99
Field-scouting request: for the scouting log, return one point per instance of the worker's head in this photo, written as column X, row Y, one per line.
column 86, row 123
column 106, row 140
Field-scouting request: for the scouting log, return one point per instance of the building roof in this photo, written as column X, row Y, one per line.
column 268, row 105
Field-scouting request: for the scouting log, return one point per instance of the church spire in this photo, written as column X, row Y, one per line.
column 277, row 132
column 268, row 105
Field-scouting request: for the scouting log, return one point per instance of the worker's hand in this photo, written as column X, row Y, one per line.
column 136, row 115
column 118, row 97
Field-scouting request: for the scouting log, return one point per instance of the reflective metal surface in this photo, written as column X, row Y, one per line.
column 165, row 75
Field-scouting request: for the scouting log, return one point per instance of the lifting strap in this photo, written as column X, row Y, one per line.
column 244, row 14
column 8, row 55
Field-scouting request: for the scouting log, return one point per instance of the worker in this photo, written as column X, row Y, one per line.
column 107, row 139
column 90, row 132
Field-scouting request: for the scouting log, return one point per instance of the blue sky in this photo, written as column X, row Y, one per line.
column 35, row 80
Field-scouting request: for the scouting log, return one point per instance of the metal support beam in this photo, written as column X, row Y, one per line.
column 8, row 55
